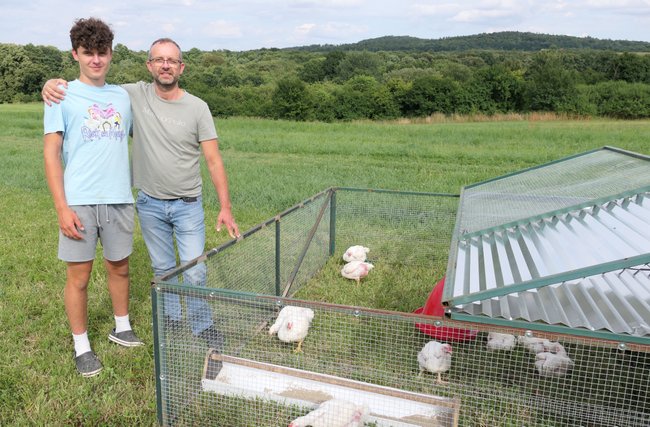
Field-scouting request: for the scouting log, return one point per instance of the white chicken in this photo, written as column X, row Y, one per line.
column 292, row 325
column 356, row 270
column 435, row 357
column 334, row 413
column 553, row 361
column 356, row 253
column 553, row 364
column 497, row 341
column 555, row 348
column 532, row 344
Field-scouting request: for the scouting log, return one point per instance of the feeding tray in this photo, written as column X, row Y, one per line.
column 387, row 406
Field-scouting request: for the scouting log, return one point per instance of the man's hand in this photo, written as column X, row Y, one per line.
column 225, row 218
column 70, row 223
column 52, row 92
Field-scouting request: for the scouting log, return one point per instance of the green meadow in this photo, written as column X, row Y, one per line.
column 272, row 165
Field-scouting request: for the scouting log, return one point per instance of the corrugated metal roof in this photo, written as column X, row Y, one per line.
column 569, row 267
column 617, row 302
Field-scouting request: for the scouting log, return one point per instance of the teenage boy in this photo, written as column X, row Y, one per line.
column 87, row 171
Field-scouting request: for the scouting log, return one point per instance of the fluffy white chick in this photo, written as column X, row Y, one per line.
column 532, row 344
column 356, row 270
column 292, row 325
column 356, row 253
column 435, row 357
column 553, row 364
column 334, row 413
column 497, row 341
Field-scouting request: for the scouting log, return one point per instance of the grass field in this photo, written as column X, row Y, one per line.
column 272, row 165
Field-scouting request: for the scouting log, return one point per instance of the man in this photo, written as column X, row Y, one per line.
column 92, row 193
column 171, row 129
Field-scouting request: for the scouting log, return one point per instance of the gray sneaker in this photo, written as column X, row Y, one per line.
column 88, row 364
column 125, row 338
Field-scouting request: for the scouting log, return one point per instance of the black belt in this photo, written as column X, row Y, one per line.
column 187, row 199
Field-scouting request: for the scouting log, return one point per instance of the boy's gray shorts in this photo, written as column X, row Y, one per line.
column 111, row 224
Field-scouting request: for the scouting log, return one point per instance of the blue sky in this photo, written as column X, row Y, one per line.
column 240, row 25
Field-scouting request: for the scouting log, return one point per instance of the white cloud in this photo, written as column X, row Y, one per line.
column 432, row 9
column 168, row 28
column 222, row 29
column 304, row 29
column 326, row 3
column 476, row 15
column 330, row 30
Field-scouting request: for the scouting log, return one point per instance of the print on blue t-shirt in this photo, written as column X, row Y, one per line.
column 103, row 123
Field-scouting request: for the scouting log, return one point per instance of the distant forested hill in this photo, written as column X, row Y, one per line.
column 506, row 40
column 383, row 78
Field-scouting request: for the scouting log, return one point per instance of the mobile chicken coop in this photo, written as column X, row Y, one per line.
column 554, row 258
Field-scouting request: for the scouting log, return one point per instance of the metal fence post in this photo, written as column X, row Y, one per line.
column 277, row 258
column 332, row 221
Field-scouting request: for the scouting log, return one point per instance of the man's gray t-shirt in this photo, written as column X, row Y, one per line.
column 166, row 142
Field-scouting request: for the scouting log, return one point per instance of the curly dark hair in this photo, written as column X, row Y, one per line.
column 92, row 34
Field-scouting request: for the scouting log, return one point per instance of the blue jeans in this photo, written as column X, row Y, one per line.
column 161, row 221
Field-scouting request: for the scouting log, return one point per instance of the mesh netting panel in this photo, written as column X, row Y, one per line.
column 304, row 240
column 280, row 256
column 552, row 187
column 280, row 251
column 399, row 228
column 608, row 384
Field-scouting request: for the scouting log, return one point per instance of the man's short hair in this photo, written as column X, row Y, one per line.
column 166, row 40
column 91, row 34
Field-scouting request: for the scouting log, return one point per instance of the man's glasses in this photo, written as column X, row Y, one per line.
column 161, row 61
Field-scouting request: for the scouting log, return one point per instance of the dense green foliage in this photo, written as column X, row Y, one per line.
column 505, row 40
column 384, row 78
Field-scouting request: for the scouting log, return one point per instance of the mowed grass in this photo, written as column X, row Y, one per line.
column 272, row 165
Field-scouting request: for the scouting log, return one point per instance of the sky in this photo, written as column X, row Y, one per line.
column 241, row 25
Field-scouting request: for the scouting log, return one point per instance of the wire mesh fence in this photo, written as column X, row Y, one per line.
column 605, row 385
column 408, row 235
column 553, row 187
column 237, row 373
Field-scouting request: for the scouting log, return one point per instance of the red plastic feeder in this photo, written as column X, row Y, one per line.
column 434, row 307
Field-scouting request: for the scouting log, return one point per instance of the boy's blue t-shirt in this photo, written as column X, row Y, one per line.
column 95, row 122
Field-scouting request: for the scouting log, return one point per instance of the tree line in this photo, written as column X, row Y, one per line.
column 504, row 40
column 338, row 84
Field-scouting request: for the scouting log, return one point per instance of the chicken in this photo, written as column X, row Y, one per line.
column 553, row 361
column 555, row 348
column 435, row 357
column 497, row 341
column 292, row 325
column 356, row 270
column 553, row 364
column 532, row 344
column 334, row 413
column 356, row 253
